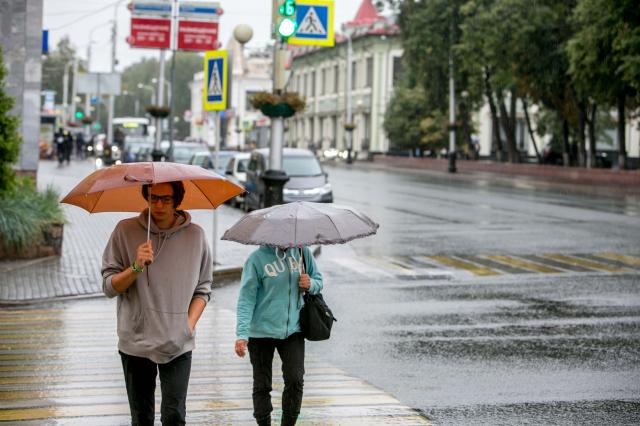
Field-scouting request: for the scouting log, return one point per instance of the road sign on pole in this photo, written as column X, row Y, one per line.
column 215, row 80
column 314, row 23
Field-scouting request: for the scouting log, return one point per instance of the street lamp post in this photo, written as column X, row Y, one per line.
column 452, row 110
column 349, row 126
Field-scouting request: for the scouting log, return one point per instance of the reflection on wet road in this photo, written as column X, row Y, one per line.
column 480, row 304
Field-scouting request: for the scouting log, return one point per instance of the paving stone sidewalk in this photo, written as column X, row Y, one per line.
column 77, row 271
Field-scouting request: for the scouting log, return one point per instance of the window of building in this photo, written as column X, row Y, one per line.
column 323, row 81
column 312, row 89
column 397, row 70
column 336, row 78
column 334, row 124
column 354, row 74
column 370, row 72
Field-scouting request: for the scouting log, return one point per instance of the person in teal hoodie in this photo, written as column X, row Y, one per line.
column 268, row 319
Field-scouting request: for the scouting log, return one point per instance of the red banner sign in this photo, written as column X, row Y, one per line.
column 150, row 33
column 197, row 35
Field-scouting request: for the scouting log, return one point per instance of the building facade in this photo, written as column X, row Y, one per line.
column 21, row 41
column 320, row 76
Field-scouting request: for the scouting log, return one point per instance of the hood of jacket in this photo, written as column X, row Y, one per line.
column 183, row 220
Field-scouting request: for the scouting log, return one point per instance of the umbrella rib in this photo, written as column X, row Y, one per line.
column 203, row 193
column 330, row 219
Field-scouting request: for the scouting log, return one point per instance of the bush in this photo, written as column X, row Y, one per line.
column 25, row 213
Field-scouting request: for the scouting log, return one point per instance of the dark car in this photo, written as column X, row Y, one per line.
column 307, row 181
column 137, row 148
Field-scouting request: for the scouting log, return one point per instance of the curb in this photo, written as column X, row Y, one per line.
column 221, row 278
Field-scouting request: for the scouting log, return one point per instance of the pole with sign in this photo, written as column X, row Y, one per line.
column 214, row 100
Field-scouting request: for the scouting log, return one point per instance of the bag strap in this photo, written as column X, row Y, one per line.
column 303, row 263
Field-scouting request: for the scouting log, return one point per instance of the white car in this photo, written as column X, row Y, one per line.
column 236, row 172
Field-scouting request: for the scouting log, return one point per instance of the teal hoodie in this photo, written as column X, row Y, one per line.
column 270, row 300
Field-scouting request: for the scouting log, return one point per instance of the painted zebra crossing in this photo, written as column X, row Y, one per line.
column 486, row 265
column 60, row 366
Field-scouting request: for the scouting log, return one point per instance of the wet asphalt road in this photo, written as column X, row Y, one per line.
column 514, row 347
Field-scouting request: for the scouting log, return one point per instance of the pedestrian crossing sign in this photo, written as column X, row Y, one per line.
column 314, row 19
column 215, row 80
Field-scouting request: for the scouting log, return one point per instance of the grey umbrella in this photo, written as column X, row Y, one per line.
column 301, row 224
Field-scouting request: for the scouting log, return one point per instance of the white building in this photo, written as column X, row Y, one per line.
column 243, row 127
column 319, row 75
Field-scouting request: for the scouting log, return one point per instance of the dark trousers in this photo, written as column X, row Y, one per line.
column 140, row 378
column 291, row 351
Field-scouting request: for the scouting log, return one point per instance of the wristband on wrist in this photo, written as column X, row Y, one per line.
column 136, row 268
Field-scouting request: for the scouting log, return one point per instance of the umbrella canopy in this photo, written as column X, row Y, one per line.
column 301, row 224
column 117, row 188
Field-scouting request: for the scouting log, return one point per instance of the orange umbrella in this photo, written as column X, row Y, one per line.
column 117, row 188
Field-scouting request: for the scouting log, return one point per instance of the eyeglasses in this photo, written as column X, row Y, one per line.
column 165, row 199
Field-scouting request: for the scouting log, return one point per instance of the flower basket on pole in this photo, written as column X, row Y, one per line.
column 273, row 105
column 158, row 111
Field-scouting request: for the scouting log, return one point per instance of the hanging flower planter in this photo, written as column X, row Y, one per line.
column 272, row 105
column 87, row 120
column 158, row 111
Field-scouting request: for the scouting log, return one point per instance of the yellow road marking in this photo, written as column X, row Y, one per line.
column 629, row 260
column 461, row 264
column 357, row 385
column 192, row 406
column 583, row 262
column 524, row 264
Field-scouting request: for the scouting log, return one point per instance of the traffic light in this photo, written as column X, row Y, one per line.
column 287, row 24
column 79, row 115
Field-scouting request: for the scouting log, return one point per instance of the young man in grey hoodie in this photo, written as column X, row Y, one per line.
column 162, row 285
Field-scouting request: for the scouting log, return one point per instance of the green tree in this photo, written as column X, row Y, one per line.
column 9, row 139
column 604, row 57
column 53, row 68
column 186, row 65
column 409, row 125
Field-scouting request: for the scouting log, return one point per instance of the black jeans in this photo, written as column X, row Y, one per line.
column 291, row 351
column 140, row 378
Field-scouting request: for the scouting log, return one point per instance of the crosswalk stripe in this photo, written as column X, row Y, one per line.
column 460, row 264
column 192, row 406
column 604, row 260
column 556, row 264
column 524, row 264
column 495, row 265
column 582, row 262
column 629, row 260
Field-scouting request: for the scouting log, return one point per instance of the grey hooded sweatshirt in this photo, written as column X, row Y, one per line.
column 152, row 313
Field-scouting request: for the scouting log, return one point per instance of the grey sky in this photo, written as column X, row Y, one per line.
column 58, row 13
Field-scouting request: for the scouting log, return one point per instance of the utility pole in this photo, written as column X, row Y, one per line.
column 114, row 31
column 74, row 88
column 157, row 152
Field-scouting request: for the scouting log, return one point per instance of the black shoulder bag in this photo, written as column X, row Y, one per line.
column 316, row 319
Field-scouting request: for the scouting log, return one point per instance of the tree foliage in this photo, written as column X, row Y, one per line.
column 567, row 57
column 186, row 65
column 53, row 68
column 9, row 139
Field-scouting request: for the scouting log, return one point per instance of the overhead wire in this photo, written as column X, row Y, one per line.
column 93, row 12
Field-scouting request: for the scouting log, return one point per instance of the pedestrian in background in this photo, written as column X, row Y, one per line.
column 268, row 319
column 163, row 285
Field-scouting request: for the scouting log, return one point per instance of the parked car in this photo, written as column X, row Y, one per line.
column 307, row 181
column 182, row 152
column 237, row 173
column 137, row 148
column 206, row 159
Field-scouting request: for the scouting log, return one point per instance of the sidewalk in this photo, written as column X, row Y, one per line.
column 605, row 182
column 77, row 271
column 59, row 365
